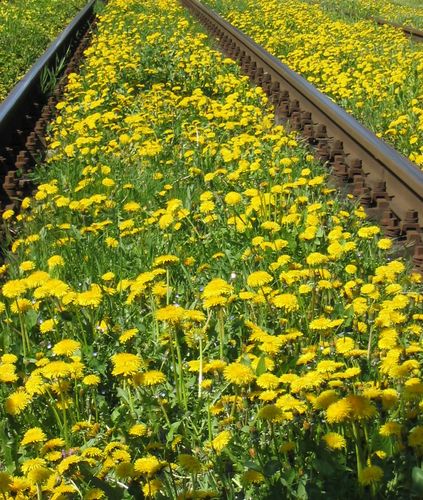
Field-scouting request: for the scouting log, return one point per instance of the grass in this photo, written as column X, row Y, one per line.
column 188, row 309
column 26, row 29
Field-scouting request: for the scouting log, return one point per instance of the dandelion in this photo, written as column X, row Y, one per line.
column 339, row 411
column 385, row 244
column 148, row 465
column 233, row 198
column 138, row 430
column 217, row 287
column 268, row 381
column 17, row 402
column 252, row 476
column 258, row 279
column 55, row 261
column 14, row 288
column 126, row 364
column 34, row 435
column 151, row 488
column 189, row 463
column 152, row 377
column 164, row 260
column 390, row 429
column 238, row 374
column 370, row 475
column 91, row 380
column 415, row 438
column 5, row 482
column 270, row 413
column 66, row 347
column 325, row 399
column 344, row 345
column 47, row 326
column 334, row 441
column 171, row 314
column 286, row 301
column 128, row 335
column 361, row 407
column 220, row 442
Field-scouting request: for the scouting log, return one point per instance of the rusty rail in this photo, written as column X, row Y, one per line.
column 414, row 34
column 26, row 111
column 387, row 184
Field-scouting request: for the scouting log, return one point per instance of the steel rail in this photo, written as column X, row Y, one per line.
column 17, row 100
column 27, row 110
column 385, row 181
column 413, row 33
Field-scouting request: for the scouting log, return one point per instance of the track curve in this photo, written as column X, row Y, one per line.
column 386, row 183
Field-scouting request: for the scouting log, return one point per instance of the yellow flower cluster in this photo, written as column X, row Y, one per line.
column 371, row 71
column 188, row 310
column 26, row 28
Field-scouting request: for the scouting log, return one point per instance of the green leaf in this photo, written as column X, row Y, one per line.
column 6, row 449
column 173, row 428
column 323, row 467
column 302, row 492
column 417, row 480
column 252, row 465
column 261, row 366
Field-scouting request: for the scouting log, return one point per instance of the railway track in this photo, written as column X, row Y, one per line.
column 414, row 34
column 387, row 184
column 25, row 113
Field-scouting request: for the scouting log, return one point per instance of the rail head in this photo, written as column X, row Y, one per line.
column 24, row 90
column 415, row 34
column 380, row 161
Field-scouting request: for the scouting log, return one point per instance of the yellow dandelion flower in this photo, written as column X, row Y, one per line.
column 126, row 364
column 47, row 326
column 338, row 411
column 55, row 261
column 344, row 345
column 8, row 358
column 334, row 441
column 325, row 399
column 252, row 476
column 67, row 463
column 384, row 244
column 138, row 430
column 148, row 465
column 415, row 438
column 21, row 306
column 268, row 381
column 171, row 314
column 14, row 288
column 286, row 301
column 152, row 488
column 34, row 435
column 108, row 276
column 258, row 279
column 17, row 402
column 128, row 335
column 370, row 475
column 361, row 407
column 164, row 260
column 233, row 198
column 91, row 298
column 5, row 482
column 221, row 441
column 152, row 377
column 66, row 347
column 189, row 463
column 238, row 374
column 270, row 413
column 91, row 380
column 390, row 429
